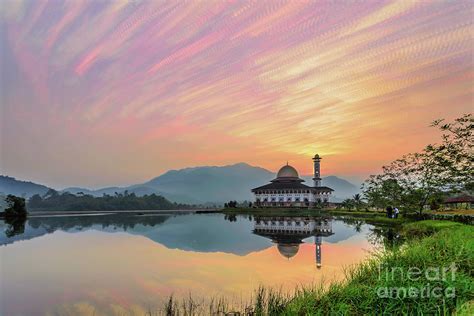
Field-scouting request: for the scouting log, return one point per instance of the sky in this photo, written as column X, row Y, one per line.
column 98, row 93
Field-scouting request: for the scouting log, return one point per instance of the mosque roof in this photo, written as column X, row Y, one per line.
column 291, row 186
column 288, row 179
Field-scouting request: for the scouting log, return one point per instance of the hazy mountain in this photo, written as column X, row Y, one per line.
column 213, row 184
column 9, row 185
column 198, row 185
column 343, row 189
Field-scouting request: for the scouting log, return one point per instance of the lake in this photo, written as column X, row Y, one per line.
column 130, row 264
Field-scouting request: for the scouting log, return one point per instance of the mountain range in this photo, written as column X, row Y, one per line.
column 198, row 185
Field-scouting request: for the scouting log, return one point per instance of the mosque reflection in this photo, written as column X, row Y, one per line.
column 288, row 233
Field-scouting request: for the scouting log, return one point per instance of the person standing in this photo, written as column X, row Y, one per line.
column 389, row 211
column 395, row 212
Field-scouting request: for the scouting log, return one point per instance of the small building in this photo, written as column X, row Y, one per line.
column 288, row 190
column 464, row 201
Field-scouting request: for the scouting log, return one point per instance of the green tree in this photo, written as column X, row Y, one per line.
column 126, row 201
column 454, row 156
column 418, row 179
column 408, row 182
column 348, row 204
column 357, row 199
column 381, row 192
column 16, row 207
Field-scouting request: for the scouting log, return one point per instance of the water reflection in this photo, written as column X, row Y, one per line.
column 207, row 232
column 14, row 226
column 288, row 233
column 109, row 263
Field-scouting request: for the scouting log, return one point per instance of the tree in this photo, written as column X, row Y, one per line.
column 232, row 204
column 408, row 182
column 15, row 215
column 454, row 157
column 357, row 199
column 128, row 201
column 16, row 207
column 418, row 179
column 348, row 204
column 381, row 192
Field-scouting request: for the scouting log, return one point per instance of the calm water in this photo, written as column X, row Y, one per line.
column 112, row 264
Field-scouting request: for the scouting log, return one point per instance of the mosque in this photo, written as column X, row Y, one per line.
column 287, row 190
column 288, row 233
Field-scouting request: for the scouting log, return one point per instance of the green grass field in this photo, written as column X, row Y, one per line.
column 428, row 227
column 448, row 243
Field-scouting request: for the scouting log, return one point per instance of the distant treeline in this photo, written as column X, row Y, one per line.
column 55, row 201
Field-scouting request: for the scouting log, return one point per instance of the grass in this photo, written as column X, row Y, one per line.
column 368, row 288
column 358, row 295
column 426, row 228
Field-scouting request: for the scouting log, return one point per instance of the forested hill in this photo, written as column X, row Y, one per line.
column 55, row 201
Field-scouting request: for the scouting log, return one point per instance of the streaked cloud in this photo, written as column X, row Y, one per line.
column 139, row 87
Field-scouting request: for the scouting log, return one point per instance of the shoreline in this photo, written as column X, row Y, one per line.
column 119, row 212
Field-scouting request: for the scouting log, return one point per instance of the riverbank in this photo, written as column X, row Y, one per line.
column 120, row 212
column 277, row 211
column 431, row 274
column 371, row 217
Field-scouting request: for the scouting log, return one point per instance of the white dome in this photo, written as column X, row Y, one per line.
column 287, row 172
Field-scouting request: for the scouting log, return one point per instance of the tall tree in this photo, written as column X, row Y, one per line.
column 16, row 207
column 357, row 198
column 454, row 157
column 415, row 179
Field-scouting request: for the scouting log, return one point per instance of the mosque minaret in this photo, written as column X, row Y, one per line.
column 317, row 170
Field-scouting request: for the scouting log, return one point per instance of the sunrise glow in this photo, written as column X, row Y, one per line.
column 97, row 93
